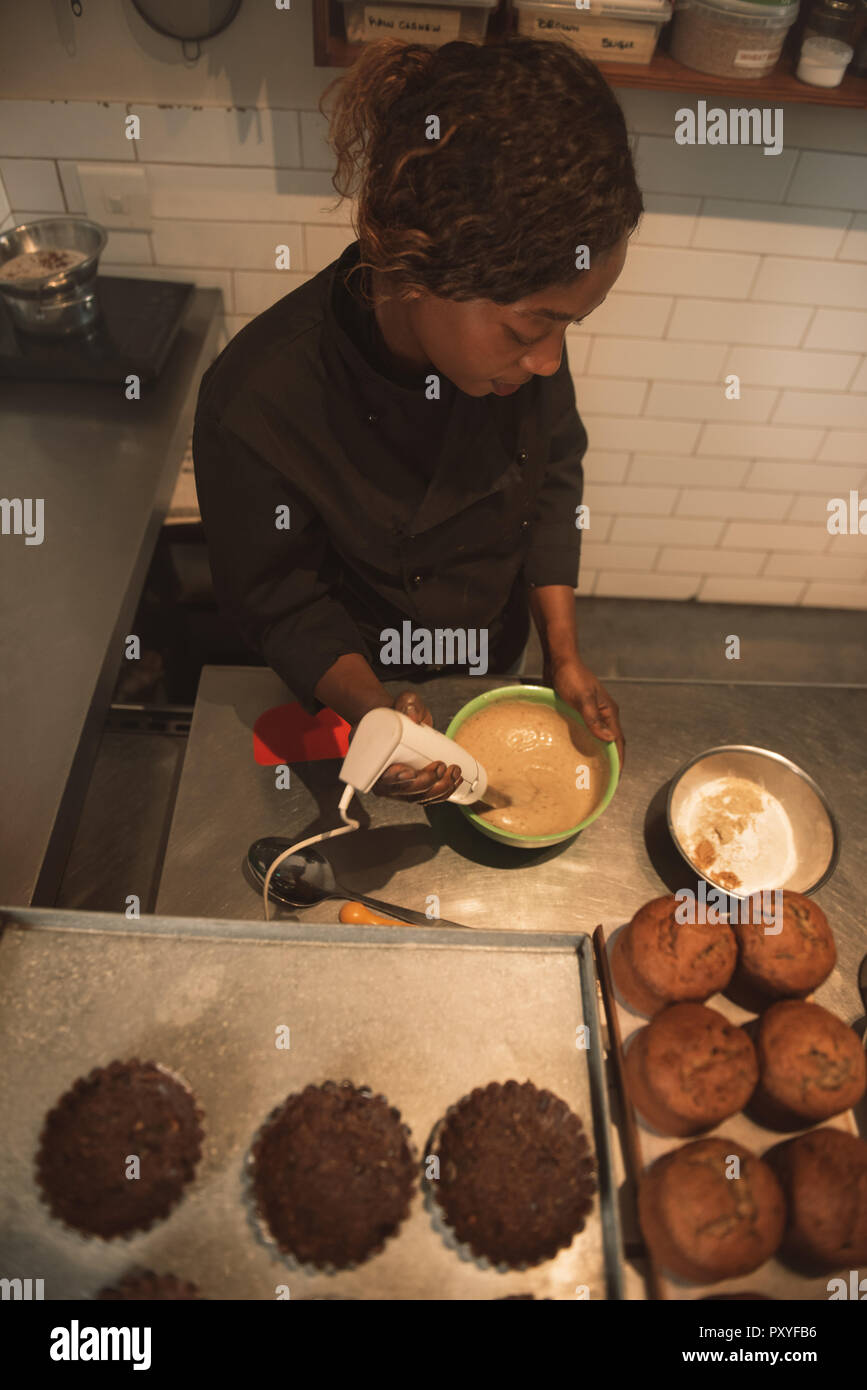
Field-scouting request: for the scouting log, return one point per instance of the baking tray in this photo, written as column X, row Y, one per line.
column 422, row 1016
column 774, row 1278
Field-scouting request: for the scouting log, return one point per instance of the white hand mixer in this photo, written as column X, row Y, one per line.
column 383, row 737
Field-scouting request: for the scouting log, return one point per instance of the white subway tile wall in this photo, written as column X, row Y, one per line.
column 828, row 180
column 855, row 242
column 723, row 383
column 32, row 183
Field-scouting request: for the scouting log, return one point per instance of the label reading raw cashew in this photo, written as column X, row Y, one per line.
column 380, row 20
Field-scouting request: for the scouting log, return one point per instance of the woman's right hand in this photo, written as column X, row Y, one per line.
column 436, row 782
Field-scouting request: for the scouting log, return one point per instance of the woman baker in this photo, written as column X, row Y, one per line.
column 396, row 440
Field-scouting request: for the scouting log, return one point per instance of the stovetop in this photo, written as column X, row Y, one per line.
column 137, row 324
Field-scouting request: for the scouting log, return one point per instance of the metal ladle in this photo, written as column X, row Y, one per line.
column 306, row 878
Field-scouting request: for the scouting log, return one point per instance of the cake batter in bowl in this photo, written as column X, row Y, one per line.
column 541, row 758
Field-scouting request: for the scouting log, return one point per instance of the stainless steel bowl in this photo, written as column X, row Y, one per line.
column 814, row 829
column 55, row 304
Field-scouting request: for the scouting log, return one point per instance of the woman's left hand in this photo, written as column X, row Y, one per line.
column 576, row 684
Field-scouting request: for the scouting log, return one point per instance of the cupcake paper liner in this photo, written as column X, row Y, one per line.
column 258, row 1220
column 128, row 1237
column 126, row 1289
column 445, row 1230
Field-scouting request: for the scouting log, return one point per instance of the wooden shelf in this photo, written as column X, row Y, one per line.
column 665, row 75
column 662, row 74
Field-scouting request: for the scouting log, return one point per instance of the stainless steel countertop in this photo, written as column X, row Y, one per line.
column 105, row 467
column 226, row 800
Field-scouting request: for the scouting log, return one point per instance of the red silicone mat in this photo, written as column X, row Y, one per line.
column 288, row 734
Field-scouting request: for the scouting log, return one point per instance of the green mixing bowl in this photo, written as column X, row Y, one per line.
column 539, row 694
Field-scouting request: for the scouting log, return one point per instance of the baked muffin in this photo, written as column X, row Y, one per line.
column 657, row 960
column 126, row 1108
column 793, row 961
column 332, row 1174
column 516, row 1175
column 689, row 1069
column 824, row 1177
column 703, row 1226
column 811, row 1065
column 148, row 1287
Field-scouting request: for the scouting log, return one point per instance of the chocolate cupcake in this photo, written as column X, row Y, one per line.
column 793, row 961
column 516, row 1174
column 116, row 1112
column 811, row 1065
column 658, row 960
column 824, row 1177
column 332, row 1175
column 148, row 1287
column 704, row 1226
column 689, row 1069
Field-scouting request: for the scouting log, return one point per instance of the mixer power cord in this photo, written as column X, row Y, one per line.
column 349, row 824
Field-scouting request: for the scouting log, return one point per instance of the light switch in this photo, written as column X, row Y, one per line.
column 116, row 195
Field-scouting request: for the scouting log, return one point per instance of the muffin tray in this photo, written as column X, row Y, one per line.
column 420, row 1015
column 773, row 1279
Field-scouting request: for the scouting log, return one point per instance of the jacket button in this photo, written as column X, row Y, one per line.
column 372, row 419
column 525, row 525
column 523, row 456
column 416, row 580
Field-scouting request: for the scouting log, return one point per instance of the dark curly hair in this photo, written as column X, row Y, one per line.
column 533, row 160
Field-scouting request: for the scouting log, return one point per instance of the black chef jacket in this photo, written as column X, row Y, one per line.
column 443, row 512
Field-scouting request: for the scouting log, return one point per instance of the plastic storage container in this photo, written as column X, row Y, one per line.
column 730, row 38
column 607, row 33
column 430, row 23
column 824, row 61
